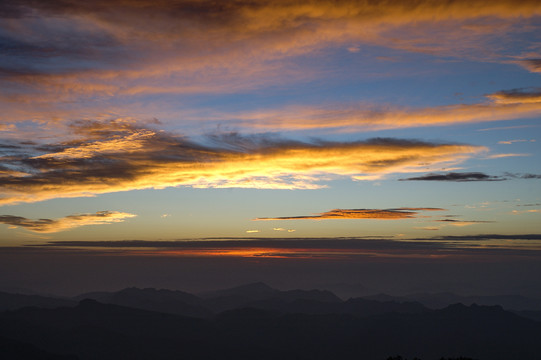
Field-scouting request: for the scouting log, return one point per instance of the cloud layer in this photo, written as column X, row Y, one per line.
column 65, row 223
column 129, row 48
column 502, row 105
column 438, row 247
column 119, row 155
column 459, row 177
column 470, row 176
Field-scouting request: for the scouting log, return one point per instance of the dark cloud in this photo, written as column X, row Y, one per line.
column 385, row 214
column 456, row 222
column 533, row 65
column 469, row 221
column 521, row 95
column 430, row 247
column 523, row 176
column 536, row 237
column 459, row 177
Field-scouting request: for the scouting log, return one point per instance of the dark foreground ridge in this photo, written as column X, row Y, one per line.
column 263, row 323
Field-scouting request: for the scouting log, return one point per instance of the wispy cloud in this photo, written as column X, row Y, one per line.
column 65, row 223
column 523, row 176
column 186, row 46
column 500, row 156
column 459, row 177
column 533, row 65
column 517, row 96
column 503, row 105
column 509, row 142
column 111, row 156
column 531, row 211
column 282, row 229
column 461, row 223
column 383, row 214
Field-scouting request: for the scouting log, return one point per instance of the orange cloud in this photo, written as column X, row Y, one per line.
column 386, row 214
column 533, row 65
column 198, row 46
column 516, row 96
column 128, row 158
column 65, row 223
column 501, row 106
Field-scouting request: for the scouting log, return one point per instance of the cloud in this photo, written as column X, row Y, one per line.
column 517, row 212
column 525, row 176
column 461, row 223
column 252, row 231
column 513, row 104
column 499, row 156
column 282, row 229
column 459, row 177
column 472, row 176
column 429, row 228
column 116, row 156
column 517, row 96
column 65, row 223
column 485, row 237
column 67, row 49
column 509, row 142
column 435, row 247
column 385, row 214
column 533, row 65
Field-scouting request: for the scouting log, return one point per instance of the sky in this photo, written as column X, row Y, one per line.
column 296, row 142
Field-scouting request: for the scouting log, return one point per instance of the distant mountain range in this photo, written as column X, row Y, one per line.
column 255, row 321
column 261, row 296
column 92, row 330
column 441, row 300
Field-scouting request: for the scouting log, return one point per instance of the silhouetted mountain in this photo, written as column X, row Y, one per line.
column 441, row 300
column 347, row 290
column 166, row 301
column 16, row 350
column 357, row 307
column 363, row 307
column 263, row 296
column 104, row 331
column 17, row 301
column 529, row 314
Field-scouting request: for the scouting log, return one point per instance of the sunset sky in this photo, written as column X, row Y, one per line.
column 308, row 131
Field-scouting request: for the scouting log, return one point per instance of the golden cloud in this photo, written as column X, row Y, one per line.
column 385, row 214
column 132, row 158
column 65, row 223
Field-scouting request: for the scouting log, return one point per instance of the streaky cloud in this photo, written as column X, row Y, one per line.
column 523, row 176
column 458, row 177
column 383, row 214
column 65, row 223
column 178, row 43
column 517, row 96
column 461, row 223
column 533, row 65
column 112, row 156
column 503, row 105
column 435, row 247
